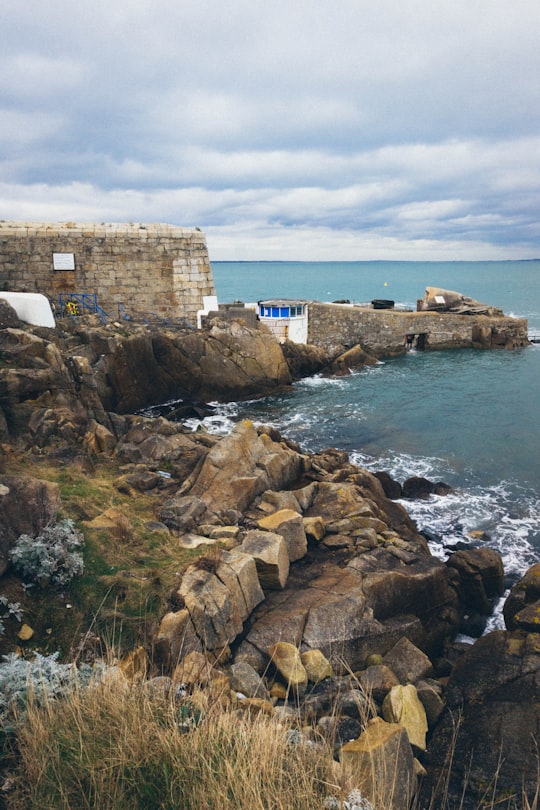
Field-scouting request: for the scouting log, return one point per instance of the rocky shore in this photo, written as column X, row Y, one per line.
column 310, row 594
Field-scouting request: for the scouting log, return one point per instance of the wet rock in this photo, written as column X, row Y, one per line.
column 392, row 489
column 417, row 488
column 481, row 578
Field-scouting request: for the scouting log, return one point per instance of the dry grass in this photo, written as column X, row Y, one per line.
column 115, row 747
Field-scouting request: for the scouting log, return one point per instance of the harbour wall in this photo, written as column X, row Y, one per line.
column 335, row 327
column 137, row 268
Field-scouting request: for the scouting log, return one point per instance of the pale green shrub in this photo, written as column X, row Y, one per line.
column 52, row 557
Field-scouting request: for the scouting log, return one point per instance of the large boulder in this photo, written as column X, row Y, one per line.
column 490, row 725
column 481, row 577
column 440, row 300
column 241, row 467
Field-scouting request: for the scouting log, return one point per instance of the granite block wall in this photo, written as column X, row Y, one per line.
column 148, row 269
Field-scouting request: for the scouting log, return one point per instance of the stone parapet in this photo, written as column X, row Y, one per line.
column 157, row 269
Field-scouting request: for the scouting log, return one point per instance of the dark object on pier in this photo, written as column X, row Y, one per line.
column 382, row 303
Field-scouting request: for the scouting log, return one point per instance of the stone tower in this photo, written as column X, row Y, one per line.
column 139, row 269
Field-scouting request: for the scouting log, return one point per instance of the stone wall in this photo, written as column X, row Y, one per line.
column 148, row 269
column 382, row 332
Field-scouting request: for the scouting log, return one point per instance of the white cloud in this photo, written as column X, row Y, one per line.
column 295, row 127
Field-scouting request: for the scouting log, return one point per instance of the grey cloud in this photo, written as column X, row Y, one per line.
column 415, row 124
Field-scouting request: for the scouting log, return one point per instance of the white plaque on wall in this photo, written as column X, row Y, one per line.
column 63, row 261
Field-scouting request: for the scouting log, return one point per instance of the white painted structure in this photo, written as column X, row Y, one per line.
column 286, row 318
column 31, row 308
column 210, row 304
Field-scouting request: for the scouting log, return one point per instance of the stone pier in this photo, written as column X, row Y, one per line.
column 335, row 327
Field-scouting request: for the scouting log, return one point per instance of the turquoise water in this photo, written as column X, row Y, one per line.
column 470, row 418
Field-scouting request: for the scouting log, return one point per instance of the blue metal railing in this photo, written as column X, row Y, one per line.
column 81, row 303
column 73, row 304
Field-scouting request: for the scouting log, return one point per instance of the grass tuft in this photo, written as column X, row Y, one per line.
column 117, row 746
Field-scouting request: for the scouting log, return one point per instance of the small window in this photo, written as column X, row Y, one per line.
column 284, row 312
column 275, row 312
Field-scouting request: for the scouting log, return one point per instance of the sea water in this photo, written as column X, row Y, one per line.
column 466, row 417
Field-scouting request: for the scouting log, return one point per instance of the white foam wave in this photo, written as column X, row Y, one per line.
column 404, row 466
column 220, row 423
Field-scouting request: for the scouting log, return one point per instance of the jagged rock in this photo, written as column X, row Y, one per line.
column 160, row 442
column 27, row 506
column 420, row 586
column 392, row 489
column 366, row 761
column 213, row 611
column 242, row 466
column 352, row 358
column 286, row 659
column 440, row 300
column 402, row 705
column 481, row 577
column 8, row 316
column 491, row 721
column 182, row 513
column 523, row 597
column 175, row 639
column 270, row 554
column 417, row 488
column 217, row 595
column 407, row 662
column 290, row 526
column 238, row 572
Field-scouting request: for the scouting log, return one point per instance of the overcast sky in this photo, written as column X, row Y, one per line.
column 284, row 129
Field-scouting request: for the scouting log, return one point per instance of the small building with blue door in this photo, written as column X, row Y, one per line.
column 287, row 318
